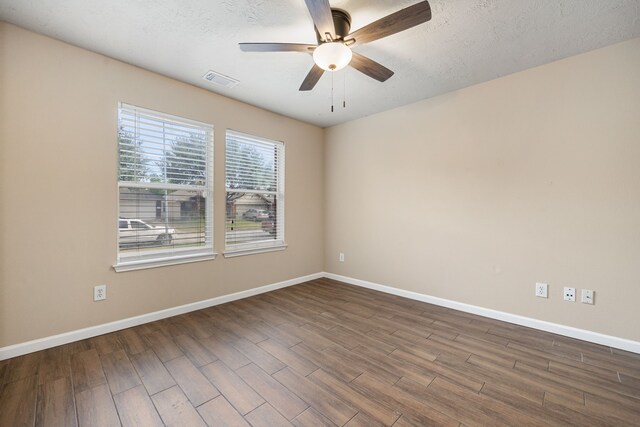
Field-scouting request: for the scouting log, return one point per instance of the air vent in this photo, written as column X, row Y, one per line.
column 220, row 79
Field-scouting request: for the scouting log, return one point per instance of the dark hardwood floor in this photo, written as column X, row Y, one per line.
column 321, row 354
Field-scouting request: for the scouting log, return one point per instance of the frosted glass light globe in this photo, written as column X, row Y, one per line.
column 332, row 56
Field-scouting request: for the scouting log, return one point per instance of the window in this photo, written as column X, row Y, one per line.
column 254, row 196
column 165, row 189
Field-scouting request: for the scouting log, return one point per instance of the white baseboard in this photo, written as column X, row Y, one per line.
column 569, row 331
column 80, row 334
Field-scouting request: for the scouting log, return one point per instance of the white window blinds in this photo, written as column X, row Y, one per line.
column 254, row 194
column 165, row 183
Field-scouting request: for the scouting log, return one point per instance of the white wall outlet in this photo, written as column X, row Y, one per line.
column 341, row 257
column 541, row 290
column 569, row 294
column 587, row 296
column 100, row 292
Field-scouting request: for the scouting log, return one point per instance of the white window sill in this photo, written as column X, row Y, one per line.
column 234, row 252
column 142, row 264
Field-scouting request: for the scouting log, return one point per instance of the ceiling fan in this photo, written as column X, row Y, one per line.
column 333, row 51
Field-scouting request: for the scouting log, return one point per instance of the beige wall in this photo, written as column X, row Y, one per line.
column 472, row 196
column 476, row 195
column 58, row 154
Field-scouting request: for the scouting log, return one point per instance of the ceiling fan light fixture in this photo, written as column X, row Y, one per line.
column 332, row 56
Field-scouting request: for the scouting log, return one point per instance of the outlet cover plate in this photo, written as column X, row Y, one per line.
column 100, row 292
column 569, row 294
column 542, row 290
column 587, row 296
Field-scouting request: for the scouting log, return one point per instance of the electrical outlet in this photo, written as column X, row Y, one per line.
column 569, row 294
column 100, row 292
column 341, row 257
column 587, row 296
column 541, row 290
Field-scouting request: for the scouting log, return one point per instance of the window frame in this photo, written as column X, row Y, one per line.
column 279, row 243
column 170, row 256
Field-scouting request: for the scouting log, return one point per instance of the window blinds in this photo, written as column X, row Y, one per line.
column 254, row 191
column 165, row 180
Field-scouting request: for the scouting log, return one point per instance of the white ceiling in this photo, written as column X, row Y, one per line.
column 466, row 42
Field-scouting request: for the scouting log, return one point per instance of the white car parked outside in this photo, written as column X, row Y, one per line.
column 138, row 232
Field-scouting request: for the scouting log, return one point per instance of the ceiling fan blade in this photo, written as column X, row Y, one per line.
column 277, row 47
column 391, row 24
column 320, row 11
column 370, row 67
column 312, row 78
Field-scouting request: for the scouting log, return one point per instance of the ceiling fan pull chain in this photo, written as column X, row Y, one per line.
column 332, row 91
column 344, row 89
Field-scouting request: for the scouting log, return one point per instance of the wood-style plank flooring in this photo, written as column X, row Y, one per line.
column 322, row 354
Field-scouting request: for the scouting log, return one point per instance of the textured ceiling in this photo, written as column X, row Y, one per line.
column 466, row 42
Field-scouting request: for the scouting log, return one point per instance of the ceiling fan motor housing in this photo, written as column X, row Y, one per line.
column 342, row 23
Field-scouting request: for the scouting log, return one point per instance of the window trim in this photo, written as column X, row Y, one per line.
column 251, row 248
column 175, row 256
column 232, row 253
column 142, row 264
